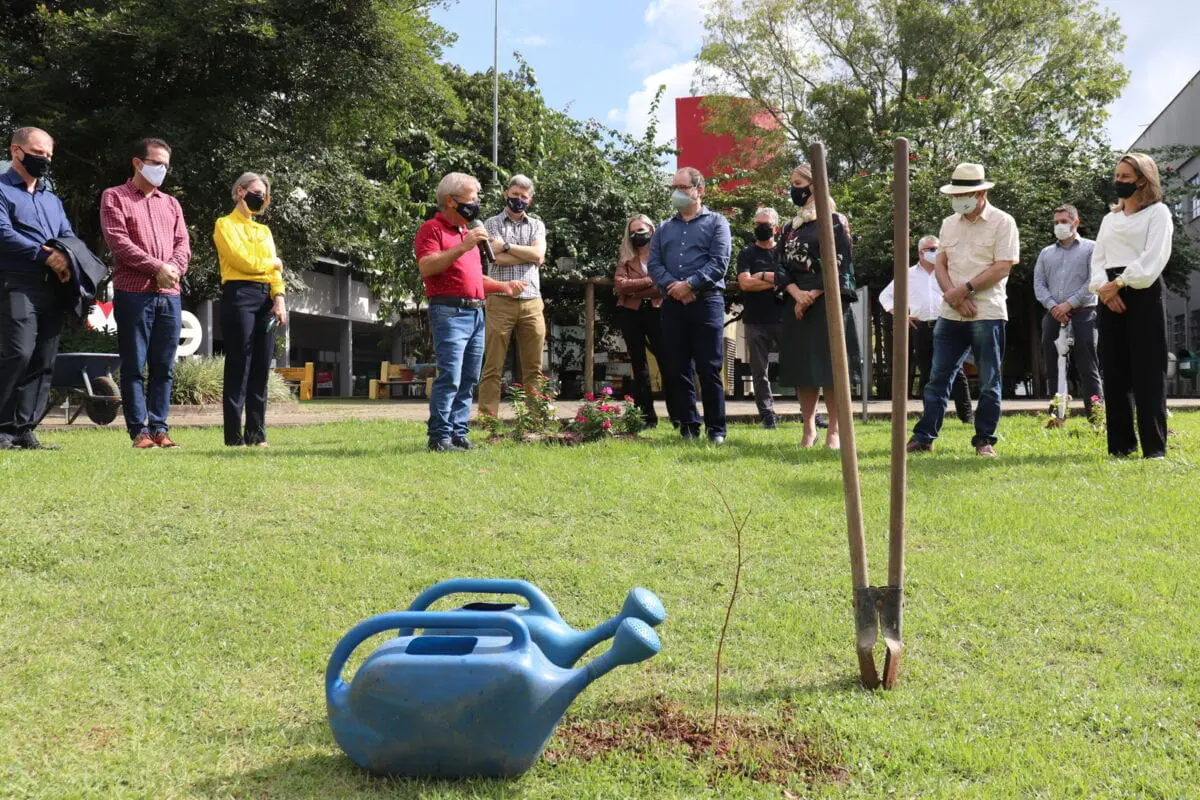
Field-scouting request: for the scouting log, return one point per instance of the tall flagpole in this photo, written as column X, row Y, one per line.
column 496, row 95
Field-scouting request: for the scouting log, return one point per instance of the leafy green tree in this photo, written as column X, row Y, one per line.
column 311, row 92
column 1020, row 86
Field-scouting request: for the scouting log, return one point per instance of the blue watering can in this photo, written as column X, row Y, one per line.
column 562, row 644
column 457, row 706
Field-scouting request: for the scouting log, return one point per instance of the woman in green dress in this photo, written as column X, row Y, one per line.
column 804, row 355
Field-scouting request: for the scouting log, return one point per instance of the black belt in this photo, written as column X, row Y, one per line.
column 457, row 302
column 709, row 293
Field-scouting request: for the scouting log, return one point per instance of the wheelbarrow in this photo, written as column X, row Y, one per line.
column 87, row 378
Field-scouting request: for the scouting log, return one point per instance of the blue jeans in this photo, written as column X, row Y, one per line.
column 951, row 343
column 458, row 345
column 693, row 336
column 147, row 335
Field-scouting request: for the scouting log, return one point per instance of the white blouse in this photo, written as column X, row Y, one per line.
column 1141, row 243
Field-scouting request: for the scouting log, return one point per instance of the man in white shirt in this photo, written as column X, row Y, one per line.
column 979, row 246
column 924, row 303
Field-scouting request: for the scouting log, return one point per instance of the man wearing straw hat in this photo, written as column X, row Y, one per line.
column 980, row 245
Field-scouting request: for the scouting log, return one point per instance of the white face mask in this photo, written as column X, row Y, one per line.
column 154, row 174
column 1064, row 231
column 964, row 204
column 930, row 255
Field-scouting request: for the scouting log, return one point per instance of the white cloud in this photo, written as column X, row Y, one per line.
column 676, row 31
column 636, row 115
column 1161, row 60
column 532, row 40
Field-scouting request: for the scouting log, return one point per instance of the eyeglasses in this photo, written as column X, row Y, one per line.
column 154, row 163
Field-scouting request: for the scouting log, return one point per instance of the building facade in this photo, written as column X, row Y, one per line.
column 1179, row 124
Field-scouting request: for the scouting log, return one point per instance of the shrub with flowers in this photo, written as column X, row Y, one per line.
column 600, row 417
column 533, row 407
column 1097, row 415
column 489, row 423
column 1054, row 421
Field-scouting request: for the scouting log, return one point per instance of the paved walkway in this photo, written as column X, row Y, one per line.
column 333, row 410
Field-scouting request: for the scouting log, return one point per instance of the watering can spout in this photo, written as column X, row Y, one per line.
column 634, row 641
column 641, row 604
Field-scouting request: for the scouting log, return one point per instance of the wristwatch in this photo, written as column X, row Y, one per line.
column 507, row 247
column 970, row 289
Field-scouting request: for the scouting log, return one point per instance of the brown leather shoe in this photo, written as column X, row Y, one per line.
column 985, row 450
column 144, row 442
column 917, row 446
column 162, row 440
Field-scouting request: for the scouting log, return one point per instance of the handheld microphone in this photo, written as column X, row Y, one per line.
column 485, row 247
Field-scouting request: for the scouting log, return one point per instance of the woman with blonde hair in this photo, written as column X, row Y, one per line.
column 1132, row 248
column 252, row 305
column 805, row 360
column 638, row 304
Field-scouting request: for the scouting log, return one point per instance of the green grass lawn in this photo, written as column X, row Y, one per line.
column 167, row 616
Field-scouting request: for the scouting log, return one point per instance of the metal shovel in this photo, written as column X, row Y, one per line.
column 874, row 606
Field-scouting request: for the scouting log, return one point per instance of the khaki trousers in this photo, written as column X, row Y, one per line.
column 504, row 317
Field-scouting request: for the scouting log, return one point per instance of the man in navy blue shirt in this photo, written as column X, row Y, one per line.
column 31, row 303
column 689, row 256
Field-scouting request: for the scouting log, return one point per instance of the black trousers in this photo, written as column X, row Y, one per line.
column 641, row 329
column 245, row 309
column 960, row 392
column 1083, row 353
column 693, row 336
column 31, row 316
column 1133, row 358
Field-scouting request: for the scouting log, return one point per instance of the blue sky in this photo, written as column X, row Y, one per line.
column 604, row 59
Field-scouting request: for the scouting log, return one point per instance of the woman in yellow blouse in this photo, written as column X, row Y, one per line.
column 251, row 305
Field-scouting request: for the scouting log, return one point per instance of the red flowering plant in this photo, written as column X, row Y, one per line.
column 1097, row 416
column 533, row 407
column 601, row 417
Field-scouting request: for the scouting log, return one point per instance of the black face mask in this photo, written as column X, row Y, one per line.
column 764, row 231
column 468, row 211
column 801, row 194
column 1124, row 189
column 255, row 200
column 640, row 239
column 516, row 204
column 36, row 166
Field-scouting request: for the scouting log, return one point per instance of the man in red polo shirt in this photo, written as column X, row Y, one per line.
column 451, row 268
column 145, row 231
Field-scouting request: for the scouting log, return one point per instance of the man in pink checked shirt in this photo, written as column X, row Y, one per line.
column 145, row 231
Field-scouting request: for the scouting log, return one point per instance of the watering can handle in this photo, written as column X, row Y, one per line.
column 538, row 602
column 420, row 619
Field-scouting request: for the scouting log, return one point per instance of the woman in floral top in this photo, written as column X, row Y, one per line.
column 804, row 358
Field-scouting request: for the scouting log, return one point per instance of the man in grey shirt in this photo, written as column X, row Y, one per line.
column 1060, row 282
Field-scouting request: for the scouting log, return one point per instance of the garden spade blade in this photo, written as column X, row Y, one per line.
column 891, row 604
column 867, row 628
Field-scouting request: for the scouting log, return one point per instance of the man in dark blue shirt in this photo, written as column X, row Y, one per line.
column 761, row 314
column 689, row 256
column 31, row 303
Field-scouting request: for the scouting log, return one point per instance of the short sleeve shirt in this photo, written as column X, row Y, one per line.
column 758, row 308
column 523, row 233
column 464, row 278
column 972, row 247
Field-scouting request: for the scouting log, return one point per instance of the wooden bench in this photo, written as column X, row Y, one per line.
column 392, row 375
column 300, row 377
